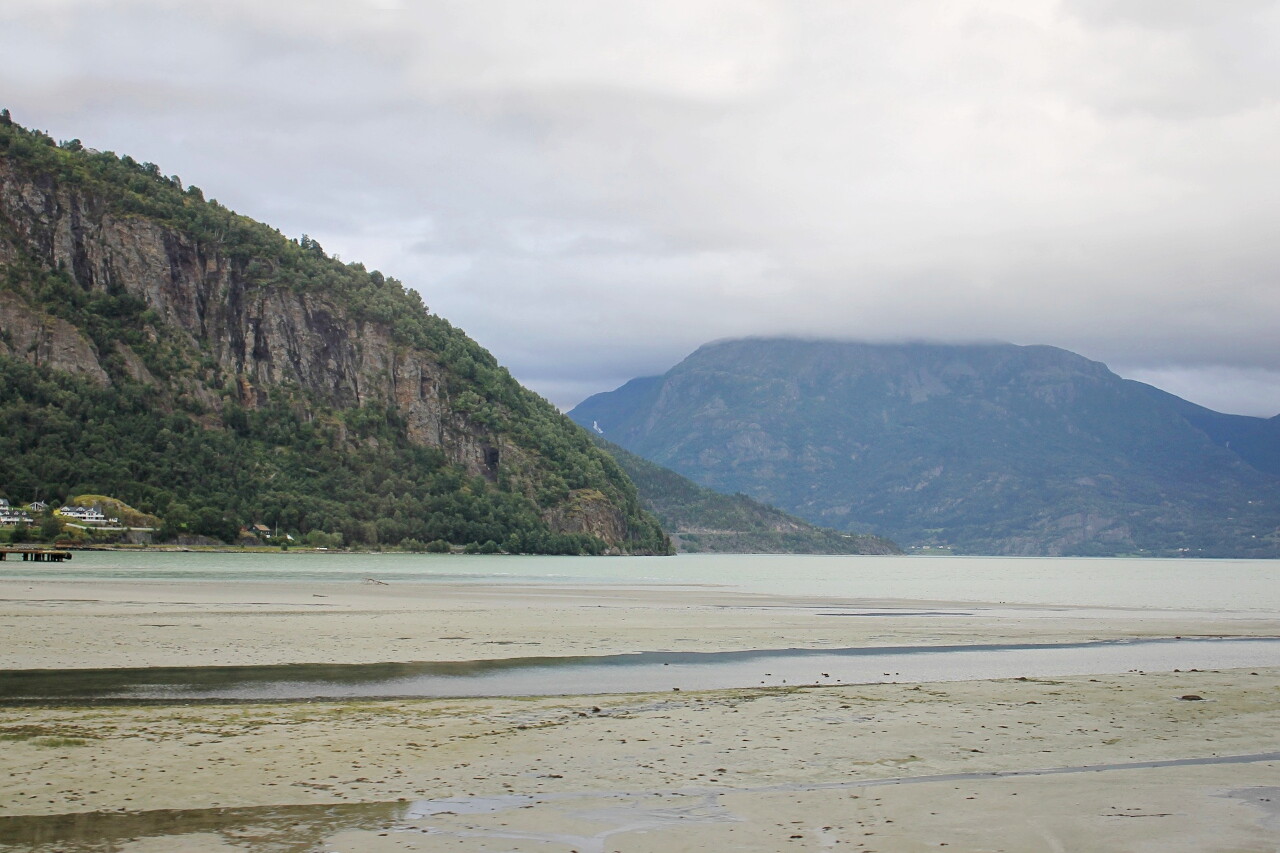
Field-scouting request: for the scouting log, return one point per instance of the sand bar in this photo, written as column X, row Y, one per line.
column 125, row 623
column 871, row 767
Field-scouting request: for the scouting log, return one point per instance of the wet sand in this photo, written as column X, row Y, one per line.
column 869, row 767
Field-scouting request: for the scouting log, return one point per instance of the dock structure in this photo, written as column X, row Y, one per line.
column 39, row 555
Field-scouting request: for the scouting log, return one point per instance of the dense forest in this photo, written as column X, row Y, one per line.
column 61, row 436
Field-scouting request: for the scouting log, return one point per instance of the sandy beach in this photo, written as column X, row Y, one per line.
column 1090, row 762
column 94, row 624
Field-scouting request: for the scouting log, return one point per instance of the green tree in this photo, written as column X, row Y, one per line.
column 20, row 533
column 50, row 527
column 215, row 523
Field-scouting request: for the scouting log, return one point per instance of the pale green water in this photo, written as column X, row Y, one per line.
column 1245, row 586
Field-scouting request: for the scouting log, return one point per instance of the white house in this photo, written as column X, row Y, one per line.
column 12, row 515
column 85, row 514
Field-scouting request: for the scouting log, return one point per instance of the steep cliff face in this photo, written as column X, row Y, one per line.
column 37, row 337
column 259, row 337
column 112, row 272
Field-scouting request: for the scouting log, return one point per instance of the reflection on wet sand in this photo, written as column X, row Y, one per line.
column 294, row 829
column 270, row 829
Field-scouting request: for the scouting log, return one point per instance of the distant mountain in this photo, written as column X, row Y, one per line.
column 1255, row 440
column 992, row 448
column 162, row 349
column 701, row 520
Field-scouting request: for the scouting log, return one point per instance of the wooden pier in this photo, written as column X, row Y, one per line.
column 39, row 555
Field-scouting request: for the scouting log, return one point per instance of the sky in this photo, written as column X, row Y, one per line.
column 593, row 190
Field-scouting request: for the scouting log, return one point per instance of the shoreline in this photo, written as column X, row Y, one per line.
column 973, row 765
column 458, row 551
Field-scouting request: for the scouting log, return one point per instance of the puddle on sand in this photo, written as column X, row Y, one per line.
column 310, row 828
column 638, row 672
column 305, row 829
column 265, row 829
column 621, row 813
column 1265, row 798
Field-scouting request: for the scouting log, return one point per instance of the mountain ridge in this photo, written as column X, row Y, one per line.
column 988, row 448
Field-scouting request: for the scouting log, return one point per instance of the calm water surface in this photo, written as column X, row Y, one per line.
column 639, row 672
column 1250, row 586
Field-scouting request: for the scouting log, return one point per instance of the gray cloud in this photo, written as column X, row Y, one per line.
column 1238, row 391
column 593, row 190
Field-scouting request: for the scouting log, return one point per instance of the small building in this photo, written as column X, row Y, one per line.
column 11, row 515
column 85, row 514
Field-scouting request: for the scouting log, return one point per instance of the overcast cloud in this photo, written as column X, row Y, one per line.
column 592, row 190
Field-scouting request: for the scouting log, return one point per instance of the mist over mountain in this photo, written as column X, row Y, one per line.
column 984, row 448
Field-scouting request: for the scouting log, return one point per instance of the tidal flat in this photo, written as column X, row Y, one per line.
column 1184, row 758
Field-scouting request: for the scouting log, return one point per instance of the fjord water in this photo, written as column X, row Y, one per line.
column 1245, row 586
column 984, row 589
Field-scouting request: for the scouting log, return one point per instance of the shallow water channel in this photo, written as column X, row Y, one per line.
column 639, row 672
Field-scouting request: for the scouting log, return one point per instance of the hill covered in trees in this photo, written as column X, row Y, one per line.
column 702, row 520
column 160, row 348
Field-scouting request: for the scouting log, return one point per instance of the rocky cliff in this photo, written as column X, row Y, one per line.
column 118, row 275
column 45, row 340
column 258, row 336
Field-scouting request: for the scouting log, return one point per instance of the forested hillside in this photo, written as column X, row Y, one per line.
column 703, row 520
column 160, row 348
